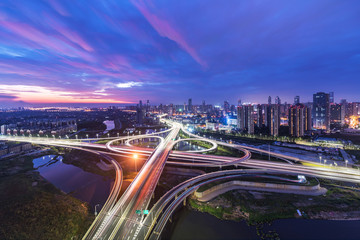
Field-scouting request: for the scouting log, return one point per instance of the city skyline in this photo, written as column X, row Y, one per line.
column 55, row 52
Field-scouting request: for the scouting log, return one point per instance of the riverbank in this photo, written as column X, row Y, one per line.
column 32, row 208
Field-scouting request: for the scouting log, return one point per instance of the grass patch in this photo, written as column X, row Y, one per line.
column 32, row 208
column 341, row 201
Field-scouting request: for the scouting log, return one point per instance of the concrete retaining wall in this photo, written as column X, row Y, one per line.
column 256, row 185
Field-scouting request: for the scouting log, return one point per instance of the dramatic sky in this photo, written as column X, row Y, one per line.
column 119, row 51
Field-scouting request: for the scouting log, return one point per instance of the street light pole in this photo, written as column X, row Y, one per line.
column 97, row 205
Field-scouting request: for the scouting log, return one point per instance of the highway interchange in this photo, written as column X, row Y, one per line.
column 119, row 219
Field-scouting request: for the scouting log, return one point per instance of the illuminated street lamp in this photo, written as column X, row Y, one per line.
column 108, row 134
column 97, row 135
column 117, row 134
column 87, row 136
column 135, row 157
column 76, row 136
column 346, row 161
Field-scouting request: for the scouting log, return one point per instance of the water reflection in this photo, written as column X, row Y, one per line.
column 88, row 187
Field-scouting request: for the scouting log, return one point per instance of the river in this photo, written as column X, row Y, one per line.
column 190, row 224
column 110, row 125
column 86, row 186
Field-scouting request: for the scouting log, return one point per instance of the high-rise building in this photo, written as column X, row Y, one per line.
column 274, row 120
column 343, row 103
column 331, row 97
column 299, row 120
column 147, row 106
column 190, row 107
column 321, row 111
column 277, row 100
column 232, row 109
column 296, row 100
column 139, row 113
column 203, row 108
column 259, row 116
column 245, row 118
column 226, row 106
column 269, row 100
column 352, row 109
column 356, row 108
column 337, row 113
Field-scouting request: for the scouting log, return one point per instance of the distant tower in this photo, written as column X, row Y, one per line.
column 331, row 97
column 321, row 111
column 139, row 113
column 147, row 105
column 296, row 100
column 226, row 106
column 190, row 105
column 269, row 100
column 203, row 106
column 239, row 102
column 277, row 100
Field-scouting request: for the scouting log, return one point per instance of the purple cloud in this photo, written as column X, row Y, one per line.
column 168, row 51
column 165, row 29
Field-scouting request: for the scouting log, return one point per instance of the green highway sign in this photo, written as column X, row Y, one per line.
column 138, row 212
column 145, row 211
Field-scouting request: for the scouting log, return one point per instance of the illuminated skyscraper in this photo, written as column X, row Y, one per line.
column 321, row 111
